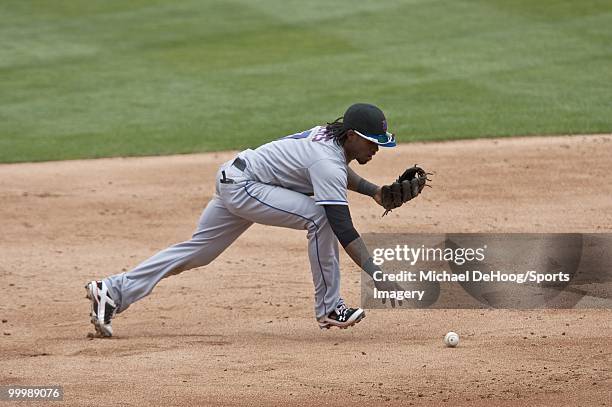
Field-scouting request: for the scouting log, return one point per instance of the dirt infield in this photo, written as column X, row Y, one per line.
column 241, row 330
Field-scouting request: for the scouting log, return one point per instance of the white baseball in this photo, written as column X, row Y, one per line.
column 451, row 339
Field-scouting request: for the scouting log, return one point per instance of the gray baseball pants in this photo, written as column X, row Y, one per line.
column 234, row 207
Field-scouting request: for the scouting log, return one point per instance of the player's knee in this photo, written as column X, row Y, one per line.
column 318, row 222
column 319, row 217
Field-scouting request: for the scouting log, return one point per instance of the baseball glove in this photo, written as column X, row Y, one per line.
column 408, row 186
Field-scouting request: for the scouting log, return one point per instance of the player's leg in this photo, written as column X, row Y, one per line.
column 272, row 205
column 217, row 229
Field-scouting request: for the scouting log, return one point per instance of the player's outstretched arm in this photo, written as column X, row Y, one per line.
column 339, row 218
column 361, row 185
column 358, row 251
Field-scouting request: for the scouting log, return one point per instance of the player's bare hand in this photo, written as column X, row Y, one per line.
column 389, row 286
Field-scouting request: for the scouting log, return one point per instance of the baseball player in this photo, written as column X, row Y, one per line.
column 299, row 182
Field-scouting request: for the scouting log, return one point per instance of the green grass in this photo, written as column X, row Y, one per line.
column 113, row 78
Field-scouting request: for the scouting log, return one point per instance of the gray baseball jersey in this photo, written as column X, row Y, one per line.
column 307, row 162
column 282, row 183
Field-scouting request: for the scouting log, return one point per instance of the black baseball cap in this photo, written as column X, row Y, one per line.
column 369, row 122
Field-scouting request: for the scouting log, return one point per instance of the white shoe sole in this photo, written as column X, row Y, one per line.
column 354, row 319
column 102, row 329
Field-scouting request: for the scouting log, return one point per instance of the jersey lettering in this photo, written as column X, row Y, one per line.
column 296, row 136
column 320, row 135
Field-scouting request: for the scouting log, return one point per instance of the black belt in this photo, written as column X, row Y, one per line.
column 238, row 163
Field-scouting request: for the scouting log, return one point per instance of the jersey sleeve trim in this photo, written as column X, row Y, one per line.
column 331, row 202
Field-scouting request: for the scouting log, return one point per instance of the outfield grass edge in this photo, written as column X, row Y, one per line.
column 444, row 140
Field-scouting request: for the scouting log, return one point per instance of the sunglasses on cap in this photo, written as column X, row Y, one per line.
column 385, row 140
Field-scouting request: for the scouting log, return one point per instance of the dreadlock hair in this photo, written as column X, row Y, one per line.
column 336, row 131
